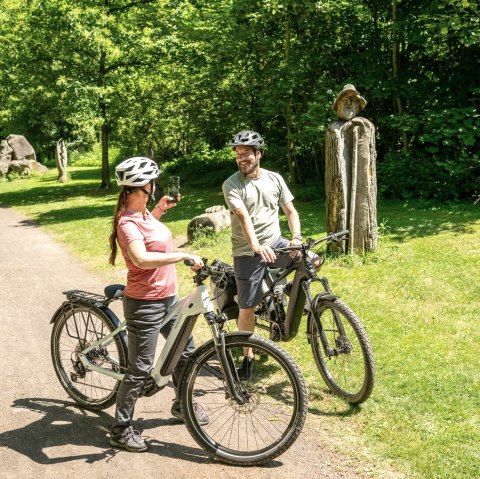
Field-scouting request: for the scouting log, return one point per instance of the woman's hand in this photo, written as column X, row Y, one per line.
column 167, row 202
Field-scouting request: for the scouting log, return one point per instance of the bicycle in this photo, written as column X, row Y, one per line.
column 339, row 343
column 251, row 421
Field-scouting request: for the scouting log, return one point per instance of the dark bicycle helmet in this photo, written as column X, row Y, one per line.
column 247, row 138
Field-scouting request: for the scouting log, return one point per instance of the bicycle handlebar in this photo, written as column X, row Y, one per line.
column 310, row 243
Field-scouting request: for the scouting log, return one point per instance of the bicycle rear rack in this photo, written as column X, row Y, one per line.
column 92, row 298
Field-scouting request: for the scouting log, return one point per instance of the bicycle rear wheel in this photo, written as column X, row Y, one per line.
column 274, row 408
column 76, row 329
column 349, row 368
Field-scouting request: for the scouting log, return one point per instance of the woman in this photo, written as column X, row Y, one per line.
column 146, row 245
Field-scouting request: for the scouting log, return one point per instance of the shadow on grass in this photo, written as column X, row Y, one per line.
column 408, row 220
column 399, row 220
column 321, row 402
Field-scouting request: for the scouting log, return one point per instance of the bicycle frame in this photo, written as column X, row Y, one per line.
column 187, row 310
column 300, row 294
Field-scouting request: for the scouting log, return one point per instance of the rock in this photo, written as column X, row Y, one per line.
column 38, row 167
column 21, row 167
column 5, row 157
column 212, row 221
column 22, row 149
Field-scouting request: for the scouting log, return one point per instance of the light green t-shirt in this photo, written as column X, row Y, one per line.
column 262, row 198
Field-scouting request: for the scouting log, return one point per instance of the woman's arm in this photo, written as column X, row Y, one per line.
column 144, row 259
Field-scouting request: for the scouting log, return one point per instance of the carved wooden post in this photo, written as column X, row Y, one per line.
column 350, row 174
column 61, row 159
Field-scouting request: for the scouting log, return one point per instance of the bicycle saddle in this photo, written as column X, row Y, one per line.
column 114, row 291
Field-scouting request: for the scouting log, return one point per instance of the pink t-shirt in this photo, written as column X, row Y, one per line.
column 157, row 283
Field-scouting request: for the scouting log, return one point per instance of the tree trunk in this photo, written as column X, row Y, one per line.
column 211, row 222
column 103, row 110
column 398, row 105
column 288, row 116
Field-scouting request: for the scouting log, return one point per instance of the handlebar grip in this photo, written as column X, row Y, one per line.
column 188, row 262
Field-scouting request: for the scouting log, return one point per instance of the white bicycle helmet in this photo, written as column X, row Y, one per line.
column 136, row 172
column 247, row 138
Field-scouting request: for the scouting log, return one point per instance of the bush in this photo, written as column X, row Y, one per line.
column 206, row 167
column 443, row 162
column 94, row 156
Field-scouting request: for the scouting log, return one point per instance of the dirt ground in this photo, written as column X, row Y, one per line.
column 42, row 432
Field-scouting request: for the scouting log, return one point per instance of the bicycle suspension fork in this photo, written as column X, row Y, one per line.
column 228, row 367
column 327, row 295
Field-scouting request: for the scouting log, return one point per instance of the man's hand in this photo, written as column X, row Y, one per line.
column 265, row 252
column 295, row 242
column 197, row 261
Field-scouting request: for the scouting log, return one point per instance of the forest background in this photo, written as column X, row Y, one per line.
column 113, row 76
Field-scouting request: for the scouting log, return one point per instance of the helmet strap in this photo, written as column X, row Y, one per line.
column 150, row 194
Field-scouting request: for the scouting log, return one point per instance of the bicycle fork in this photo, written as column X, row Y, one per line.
column 230, row 376
column 327, row 294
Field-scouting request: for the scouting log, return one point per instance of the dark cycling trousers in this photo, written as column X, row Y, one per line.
column 144, row 324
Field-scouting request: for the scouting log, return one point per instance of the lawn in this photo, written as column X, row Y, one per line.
column 418, row 296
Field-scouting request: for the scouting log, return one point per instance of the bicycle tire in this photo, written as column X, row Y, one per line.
column 347, row 377
column 75, row 329
column 270, row 420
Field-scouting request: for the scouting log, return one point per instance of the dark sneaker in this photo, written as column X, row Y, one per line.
column 245, row 370
column 129, row 440
column 288, row 288
column 200, row 414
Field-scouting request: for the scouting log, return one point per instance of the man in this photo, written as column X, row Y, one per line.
column 254, row 196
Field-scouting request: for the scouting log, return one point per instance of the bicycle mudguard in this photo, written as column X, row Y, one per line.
column 68, row 305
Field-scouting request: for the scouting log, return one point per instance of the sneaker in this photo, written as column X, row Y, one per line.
column 200, row 414
column 129, row 440
column 288, row 288
column 245, row 370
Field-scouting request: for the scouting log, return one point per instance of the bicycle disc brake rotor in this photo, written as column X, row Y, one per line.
column 249, row 406
column 344, row 346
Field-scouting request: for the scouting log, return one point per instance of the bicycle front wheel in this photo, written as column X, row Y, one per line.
column 76, row 329
column 346, row 361
column 265, row 423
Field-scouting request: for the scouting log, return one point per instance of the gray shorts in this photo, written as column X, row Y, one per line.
column 249, row 272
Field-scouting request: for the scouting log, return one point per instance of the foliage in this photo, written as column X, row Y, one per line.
column 446, row 162
column 185, row 75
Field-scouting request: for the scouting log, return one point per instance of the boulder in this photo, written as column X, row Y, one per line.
column 21, row 148
column 38, row 167
column 5, row 157
column 21, row 167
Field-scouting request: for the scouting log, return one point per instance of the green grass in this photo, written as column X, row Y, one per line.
column 418, row 296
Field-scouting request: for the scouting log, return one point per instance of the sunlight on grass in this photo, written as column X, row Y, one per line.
column 418, row 296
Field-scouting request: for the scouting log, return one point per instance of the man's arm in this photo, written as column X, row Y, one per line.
column 293, row 219
column 265, row 252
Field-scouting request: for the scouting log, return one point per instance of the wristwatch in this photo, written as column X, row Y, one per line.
column 297, row 237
